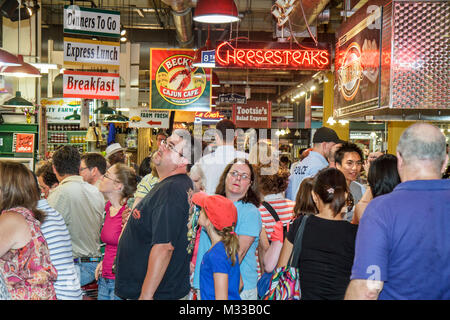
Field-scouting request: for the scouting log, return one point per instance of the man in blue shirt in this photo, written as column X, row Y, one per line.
column 403, row 241
column 323, row 141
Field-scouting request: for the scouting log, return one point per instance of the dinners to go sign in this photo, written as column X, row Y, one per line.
column 91, row 21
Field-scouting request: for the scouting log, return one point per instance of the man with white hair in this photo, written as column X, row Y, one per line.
column 403, row 241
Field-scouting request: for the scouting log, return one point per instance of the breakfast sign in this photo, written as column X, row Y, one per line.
column 91, row 85
column 176, row 84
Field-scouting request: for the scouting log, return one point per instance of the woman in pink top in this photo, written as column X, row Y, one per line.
column 24, row 255
column 117, row 185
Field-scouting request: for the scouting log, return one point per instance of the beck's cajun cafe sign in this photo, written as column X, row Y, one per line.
column 176, row 84
column 83, row 52
column 91, row 85
column 89, row 21
column 254, row 114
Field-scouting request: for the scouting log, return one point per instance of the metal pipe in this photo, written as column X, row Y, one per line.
column 182, row 18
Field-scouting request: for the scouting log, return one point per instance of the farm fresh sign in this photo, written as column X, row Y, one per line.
column 89, row 21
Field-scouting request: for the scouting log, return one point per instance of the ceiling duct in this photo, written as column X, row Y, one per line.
column 182, row 18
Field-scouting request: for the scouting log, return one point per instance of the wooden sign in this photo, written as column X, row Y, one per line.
column 254, row 114
column 91, row 85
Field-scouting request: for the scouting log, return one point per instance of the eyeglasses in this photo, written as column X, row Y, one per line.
column 167, row 145
column 108, row 177
column 351, row 163
column 81, row 169
column 242, row 176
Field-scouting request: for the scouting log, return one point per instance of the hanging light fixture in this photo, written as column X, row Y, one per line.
column 104, row 109
column 216, row 12
column 23, row 70
column 7, row 59
column 17, row 102
column 116, row 118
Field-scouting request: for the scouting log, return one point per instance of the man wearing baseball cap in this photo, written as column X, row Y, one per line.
column 323, row 141
column 219, row 270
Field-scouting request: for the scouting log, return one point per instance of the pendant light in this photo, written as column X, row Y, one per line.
column 17, row 102
column 216, row 12
column 23, row 69
column 7, row 59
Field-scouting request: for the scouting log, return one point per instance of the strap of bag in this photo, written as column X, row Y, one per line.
column 274, row 215
column 295, row 254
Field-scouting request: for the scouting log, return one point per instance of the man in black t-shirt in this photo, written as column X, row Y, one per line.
column 152, row 258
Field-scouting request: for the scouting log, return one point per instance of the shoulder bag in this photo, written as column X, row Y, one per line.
column 285, row 281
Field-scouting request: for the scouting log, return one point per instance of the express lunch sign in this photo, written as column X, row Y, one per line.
column 176, row 84
column 253, row 114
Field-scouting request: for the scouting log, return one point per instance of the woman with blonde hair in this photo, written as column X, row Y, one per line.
column 24, row 254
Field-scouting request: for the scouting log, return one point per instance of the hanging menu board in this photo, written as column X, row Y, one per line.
column 84, row 52
column 91, row 85
column 89, row 21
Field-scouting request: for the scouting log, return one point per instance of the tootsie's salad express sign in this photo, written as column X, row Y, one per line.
column 254, row 114
column 176, row 84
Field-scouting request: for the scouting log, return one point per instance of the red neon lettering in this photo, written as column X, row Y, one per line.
column 268, row 55
column 239, row 54
column 314, row 60
column 296, row 56
column 259, row 54
column 286, row 54
column 324, row 56
column 306, row 57
column 219, row 58
column 250, row 55
column 277, row 56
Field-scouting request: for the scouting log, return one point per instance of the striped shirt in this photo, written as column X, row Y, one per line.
column 283, row 207
column 54, row 229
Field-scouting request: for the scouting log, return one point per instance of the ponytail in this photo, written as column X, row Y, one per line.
column 231, row 242
column 331, row 187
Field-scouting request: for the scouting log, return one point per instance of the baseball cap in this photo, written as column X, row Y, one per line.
column 325, row 134
column 220, row 211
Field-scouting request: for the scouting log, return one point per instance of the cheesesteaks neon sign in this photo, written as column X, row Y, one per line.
column 272, row 58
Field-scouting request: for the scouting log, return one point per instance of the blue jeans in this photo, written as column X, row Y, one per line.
column 106, row 289
column 86, row 272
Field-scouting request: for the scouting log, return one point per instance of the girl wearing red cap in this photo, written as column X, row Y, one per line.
column 219, row 270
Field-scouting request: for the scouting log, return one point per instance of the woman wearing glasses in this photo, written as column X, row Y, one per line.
column 238, row 183
column 117, row 185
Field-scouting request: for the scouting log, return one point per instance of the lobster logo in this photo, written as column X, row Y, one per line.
column 175, row 80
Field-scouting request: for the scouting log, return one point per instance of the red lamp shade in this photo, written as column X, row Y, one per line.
column 8, row 59
column 23, row 70
column 216, row 12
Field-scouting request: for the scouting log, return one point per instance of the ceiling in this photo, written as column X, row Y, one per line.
column 151, row 23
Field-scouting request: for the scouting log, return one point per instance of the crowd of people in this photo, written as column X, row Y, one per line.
column 195, row 225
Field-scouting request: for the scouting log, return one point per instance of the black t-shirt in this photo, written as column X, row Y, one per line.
column 161, row 217
column 326, row 259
